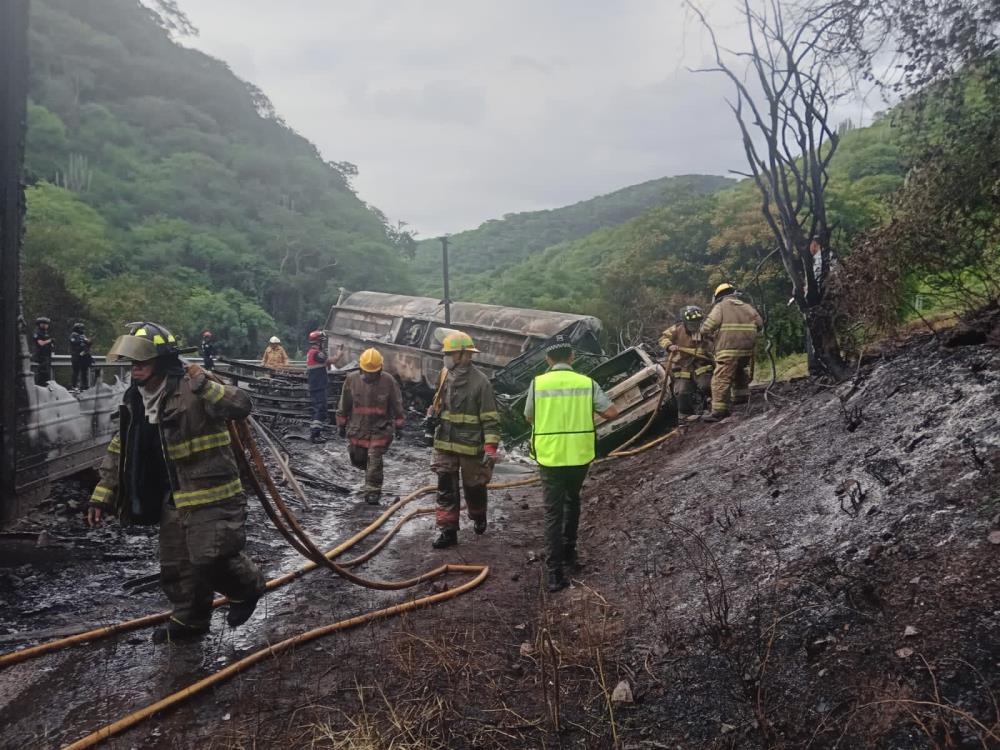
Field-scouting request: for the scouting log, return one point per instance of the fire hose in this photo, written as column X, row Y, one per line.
column 291, row 530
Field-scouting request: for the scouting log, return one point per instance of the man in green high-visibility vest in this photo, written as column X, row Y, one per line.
column 560, row 405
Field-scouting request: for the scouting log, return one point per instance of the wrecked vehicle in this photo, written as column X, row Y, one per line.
column 58, row 432
column 403, row 327
column 512, row 342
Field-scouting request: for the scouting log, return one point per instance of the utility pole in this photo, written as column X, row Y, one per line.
column 447, row 294
column 13, row 98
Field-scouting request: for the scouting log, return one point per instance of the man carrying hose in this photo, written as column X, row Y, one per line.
column 560, row 405
column 369, row 414
column 466, row 438
column 171, row 463
column 689, row 363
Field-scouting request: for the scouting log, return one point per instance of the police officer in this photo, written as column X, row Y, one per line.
column 43, row 350
column 207, row 350
column 79, row 354
column 560, row 405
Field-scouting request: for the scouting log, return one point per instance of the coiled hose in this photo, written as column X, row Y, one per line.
column 292, row 531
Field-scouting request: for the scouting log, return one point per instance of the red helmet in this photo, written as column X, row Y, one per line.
column 316, row 335
column 206, row 334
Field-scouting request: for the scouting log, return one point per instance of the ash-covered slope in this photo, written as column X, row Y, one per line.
column 797, row 574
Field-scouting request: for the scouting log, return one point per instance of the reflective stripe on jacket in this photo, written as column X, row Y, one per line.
column 372, row 412
column 691, row 358
column 469, row 417
column 733, row 326
column 194, row 440
column 563, row 431
column 316, row 369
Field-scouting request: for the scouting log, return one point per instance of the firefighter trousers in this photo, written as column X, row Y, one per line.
column 561, row 487
column 690, row 392
column 730, row 384
column 319, row 416
column 474, row 476
column 369, row 459
column 201, row 552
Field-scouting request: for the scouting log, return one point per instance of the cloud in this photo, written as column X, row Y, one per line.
column 456, row 112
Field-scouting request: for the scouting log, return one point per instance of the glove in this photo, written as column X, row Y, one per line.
column 197, row 377
column 490, row 454
column 342, row 430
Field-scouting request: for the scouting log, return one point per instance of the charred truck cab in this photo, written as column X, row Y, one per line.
column 512, row 343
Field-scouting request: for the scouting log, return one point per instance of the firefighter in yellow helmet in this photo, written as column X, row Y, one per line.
column 731, row 328
column 466, row 438
column 369, row 415
column 171, row 463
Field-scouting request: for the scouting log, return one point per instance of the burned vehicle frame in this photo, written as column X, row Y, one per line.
column 512, row 345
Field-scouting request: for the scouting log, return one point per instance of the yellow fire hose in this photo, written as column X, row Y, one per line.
column 305, row 546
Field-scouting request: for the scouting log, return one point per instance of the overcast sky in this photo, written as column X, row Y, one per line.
column 457, row 111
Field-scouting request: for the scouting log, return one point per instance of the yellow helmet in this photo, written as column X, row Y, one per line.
column 454, row 341
column 370, row 360
column 722, row 288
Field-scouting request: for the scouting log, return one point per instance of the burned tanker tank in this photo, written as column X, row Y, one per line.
column 512, row 342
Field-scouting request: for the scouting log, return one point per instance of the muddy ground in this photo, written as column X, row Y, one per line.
column 815, row 572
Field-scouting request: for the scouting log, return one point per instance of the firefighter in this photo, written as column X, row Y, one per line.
column 689, row 363
column 171, row 463
column 43, row 350
column 560, row 405
column 207, row 349
column 732, row 327
column 80, row 358
column 466, row 438
column 275, row 355
column 319, row 379
column 369, row 415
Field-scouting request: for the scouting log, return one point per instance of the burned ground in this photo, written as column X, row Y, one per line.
column 817, row 572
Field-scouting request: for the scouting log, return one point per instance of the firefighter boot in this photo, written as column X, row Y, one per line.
column 447, row 538
column 716, row 416
column 557, row 581
column 685, row 404
column 373, row 497
column 175, row 631
column 316, row 435
column 239, row 612
column 475, row 500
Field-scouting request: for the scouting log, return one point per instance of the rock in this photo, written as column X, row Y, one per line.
column 915, row 580
column 875, row 551
column 525, row 506
column 439, row 586
column 910, row 632
column 904, row 653
column 527, row 649
column 622, row 693
column 44, row 539
column 515, row 576
column 532, row 556
column 994, row 537
column 727, row 728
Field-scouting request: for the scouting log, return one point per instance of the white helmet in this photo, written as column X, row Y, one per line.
column 275, row 340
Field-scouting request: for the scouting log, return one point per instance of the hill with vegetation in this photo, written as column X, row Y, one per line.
column 636, row 274
column 161, row 186
column 475, row 254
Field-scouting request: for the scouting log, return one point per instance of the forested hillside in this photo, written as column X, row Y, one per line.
column 635, row 275
column 162, row 186
column 500, row 243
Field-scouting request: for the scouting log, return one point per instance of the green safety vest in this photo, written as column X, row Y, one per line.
column 563, row 433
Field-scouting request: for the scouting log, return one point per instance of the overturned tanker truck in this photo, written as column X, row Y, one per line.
column 512, row 341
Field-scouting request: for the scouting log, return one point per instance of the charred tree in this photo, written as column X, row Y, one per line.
column 782, row 105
